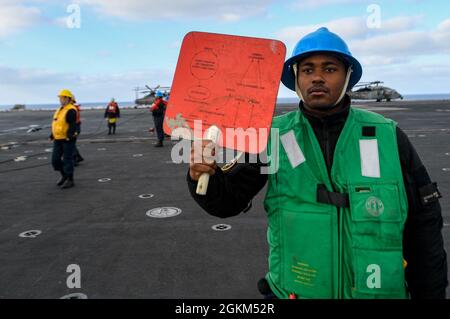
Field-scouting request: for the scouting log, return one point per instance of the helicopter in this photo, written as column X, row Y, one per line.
column 150, row 92
column 374, row 91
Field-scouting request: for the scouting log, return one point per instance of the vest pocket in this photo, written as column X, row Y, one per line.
column 376, row 214
column 375, row 202
column 378, row 274
column 376, row 222
column 307, row 254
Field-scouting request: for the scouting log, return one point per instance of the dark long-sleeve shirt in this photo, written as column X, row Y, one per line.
column 71, row 118
column 426, row 274
column 158, row 107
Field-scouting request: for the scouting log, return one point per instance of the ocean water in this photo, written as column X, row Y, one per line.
column 421, row 97
column 129, row 104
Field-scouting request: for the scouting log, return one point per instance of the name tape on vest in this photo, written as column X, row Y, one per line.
column 370, row 161
column 293, row 151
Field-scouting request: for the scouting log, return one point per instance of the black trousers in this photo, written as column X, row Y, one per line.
column 264, row 289
column 159, row 121
column 76, row 154
column 62, row 156
column 113, row 127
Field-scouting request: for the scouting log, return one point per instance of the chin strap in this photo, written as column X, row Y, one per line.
column 297, row 89
column 344, row 89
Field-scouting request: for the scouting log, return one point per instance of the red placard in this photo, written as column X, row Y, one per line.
column 228, row 81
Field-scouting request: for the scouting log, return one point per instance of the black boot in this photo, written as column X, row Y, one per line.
column 68, row 183
column 79, row 158
column 159, row 144
column 62, row 179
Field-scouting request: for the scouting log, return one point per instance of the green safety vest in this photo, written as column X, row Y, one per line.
column 324, row 248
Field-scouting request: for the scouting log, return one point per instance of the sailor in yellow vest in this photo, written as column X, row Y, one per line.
column 64, row 132
column 352, row 211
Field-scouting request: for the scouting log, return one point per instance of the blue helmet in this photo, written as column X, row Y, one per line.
column 318, row 41
column 159, row 94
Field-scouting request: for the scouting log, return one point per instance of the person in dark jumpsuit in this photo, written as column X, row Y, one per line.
column 158, row 110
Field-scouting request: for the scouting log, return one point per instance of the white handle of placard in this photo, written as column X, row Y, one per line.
column 202, row 184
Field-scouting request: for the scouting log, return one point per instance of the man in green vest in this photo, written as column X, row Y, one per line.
column 352, row 212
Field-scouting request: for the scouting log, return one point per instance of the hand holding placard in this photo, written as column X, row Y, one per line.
column 202, row 186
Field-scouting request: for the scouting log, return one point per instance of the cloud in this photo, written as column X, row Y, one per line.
column 400, row 51
column 401, row 23
column 444, row 26
column 410, row 43
column 314, row 4
column 30, row 76
column 412, row 77
column 396, row 42
column 350, row 28
column 17, row 17
column 401, row 46
column 175, row 45
column 225, row 10
column 42, row 84
column 374, row 60
column 104, row 54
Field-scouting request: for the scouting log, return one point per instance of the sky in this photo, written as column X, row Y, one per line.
column 104, row 48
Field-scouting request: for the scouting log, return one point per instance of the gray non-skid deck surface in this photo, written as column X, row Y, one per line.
column 103, row 227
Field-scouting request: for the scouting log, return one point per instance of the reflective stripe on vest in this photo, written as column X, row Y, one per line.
column 112, row 108
column 321, row 250
column 59, row 124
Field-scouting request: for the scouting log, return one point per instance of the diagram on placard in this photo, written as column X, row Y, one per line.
column 226, row 81
column 204, row 67
column 204, row 64
column 250, row 86
column 252, row 76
